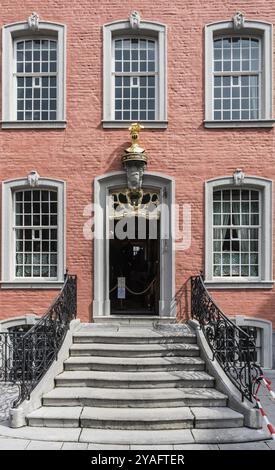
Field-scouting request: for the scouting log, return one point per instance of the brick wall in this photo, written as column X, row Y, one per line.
column 186, row 150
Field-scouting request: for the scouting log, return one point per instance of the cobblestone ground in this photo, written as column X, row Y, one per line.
column 8, row 393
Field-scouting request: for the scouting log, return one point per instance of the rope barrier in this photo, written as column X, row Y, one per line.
column 132, row 292
column 142, row 292
column 267, row 384
column 113, row 288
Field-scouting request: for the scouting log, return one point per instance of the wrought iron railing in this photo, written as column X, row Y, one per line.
column 232, row 347
column 26, row 357
column 179, row 303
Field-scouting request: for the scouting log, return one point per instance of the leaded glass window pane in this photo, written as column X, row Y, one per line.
column 36, row 233
column 36, row 75
column 237, row 71
column 236, row 233
column 135, row 75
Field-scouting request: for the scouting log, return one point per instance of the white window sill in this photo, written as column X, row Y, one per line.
column 34, row 124
column 237, row 284
column 31, row 284
column 125, row 124
column 269, row 123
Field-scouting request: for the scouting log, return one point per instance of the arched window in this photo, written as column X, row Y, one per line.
column 238, row 74
column 134, row 74
column 33, row 233
column 33, row 75
column 238, row 231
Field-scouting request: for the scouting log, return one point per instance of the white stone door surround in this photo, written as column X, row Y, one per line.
column 102, row 186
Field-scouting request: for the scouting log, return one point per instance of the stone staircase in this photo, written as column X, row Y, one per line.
column 144, row 379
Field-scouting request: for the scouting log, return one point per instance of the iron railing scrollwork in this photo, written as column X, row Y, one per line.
column 232, row 347
column 26, row 356
column 179, row 302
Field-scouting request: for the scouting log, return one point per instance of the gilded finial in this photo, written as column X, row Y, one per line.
column 135, row 129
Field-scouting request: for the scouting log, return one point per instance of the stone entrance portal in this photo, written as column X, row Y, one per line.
column 134, row 271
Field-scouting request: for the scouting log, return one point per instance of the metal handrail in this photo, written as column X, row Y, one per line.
column 26, row 357
column 232, row 347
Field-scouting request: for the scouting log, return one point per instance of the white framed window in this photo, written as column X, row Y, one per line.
column 35, row 232
column 33, row 237
column 34, row 81
column 134, row 74
column 261, row 331
column 237, row 78
column 238, row 232
column 238, row 75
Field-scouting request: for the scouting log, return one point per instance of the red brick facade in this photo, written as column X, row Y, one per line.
column 186, row 150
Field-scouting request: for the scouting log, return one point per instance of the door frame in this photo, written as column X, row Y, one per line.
column 140, row 310
column 103, row 184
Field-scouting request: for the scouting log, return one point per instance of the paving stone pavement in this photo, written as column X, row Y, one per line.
column 23, row 444
column 8, row 394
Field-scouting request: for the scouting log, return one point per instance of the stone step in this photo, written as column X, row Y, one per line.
column 221, row 417
column 107, row 437
column 135, row 437
column 141, row 418
column 133, row 363
column 134, row 379
column 131, row 336
column 57, row 417
column 172, row 436
column 134, row 350
column 131, row 320
column 135, row 418
column 130, row 398
column 114, row 419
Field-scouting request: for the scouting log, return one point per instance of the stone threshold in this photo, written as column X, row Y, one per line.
column 109, row 438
